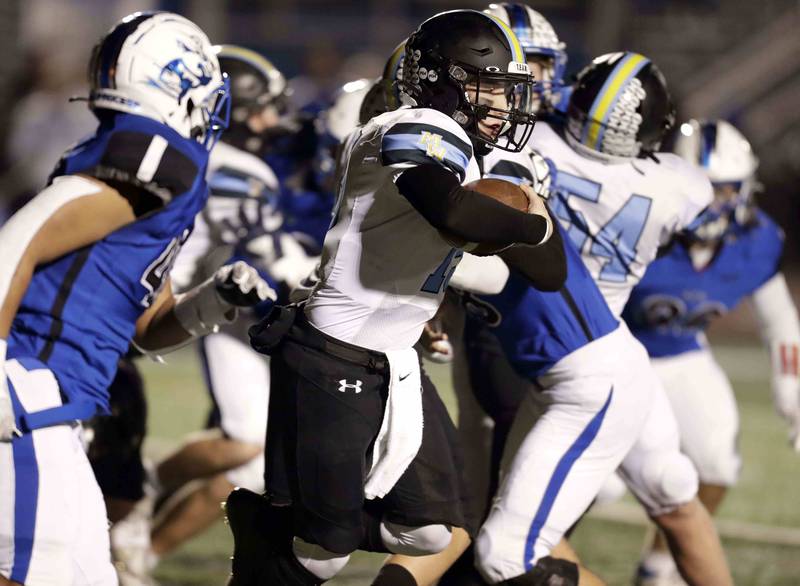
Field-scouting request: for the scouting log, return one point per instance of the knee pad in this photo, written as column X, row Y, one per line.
column 548, row 571
column 317, row 560
column 415, row 541
column 249, row 475
column 670, row 481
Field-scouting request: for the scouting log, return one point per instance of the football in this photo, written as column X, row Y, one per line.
column 505, row 192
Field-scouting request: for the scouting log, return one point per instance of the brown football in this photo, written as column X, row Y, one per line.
column 505, row 192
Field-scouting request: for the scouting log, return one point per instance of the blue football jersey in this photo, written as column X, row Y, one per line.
column 79, row 313
column 536, row 328
column 673, row 304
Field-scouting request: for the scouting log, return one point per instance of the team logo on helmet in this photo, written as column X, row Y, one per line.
column 178, row 76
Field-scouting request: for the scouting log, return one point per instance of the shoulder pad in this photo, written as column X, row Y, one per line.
column 421, row 136
column 146, row 161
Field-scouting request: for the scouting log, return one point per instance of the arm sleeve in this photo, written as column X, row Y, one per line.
column 544, row 266
column 780, row 329
column 437, row 195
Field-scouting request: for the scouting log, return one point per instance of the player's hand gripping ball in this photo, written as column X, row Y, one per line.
column 504, row 192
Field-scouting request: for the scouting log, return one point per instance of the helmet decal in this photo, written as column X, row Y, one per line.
column 160, row 65
column 613, row 89
column 177, row 78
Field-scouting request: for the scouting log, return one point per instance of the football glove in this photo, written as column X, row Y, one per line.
column 240, row 285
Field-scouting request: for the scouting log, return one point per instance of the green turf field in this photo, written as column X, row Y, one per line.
column 766, row 501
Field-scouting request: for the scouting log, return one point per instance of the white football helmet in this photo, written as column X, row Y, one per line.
column 726, row 156
column 719, row 148
column 333, row 125
column 343, row 116
column 538, row 39
column 162, row 66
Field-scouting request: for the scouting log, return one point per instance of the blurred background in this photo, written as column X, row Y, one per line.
column 733, row 59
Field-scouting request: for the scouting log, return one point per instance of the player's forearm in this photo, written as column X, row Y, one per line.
column 437, row 195
column 176, row 319
column 545, row 266
column 159, row 328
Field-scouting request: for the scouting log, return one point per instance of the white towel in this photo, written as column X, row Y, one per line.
column 400, row 435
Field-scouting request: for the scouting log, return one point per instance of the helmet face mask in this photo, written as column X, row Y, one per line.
column 160, row 65
column 498, row 106
column 470, row 66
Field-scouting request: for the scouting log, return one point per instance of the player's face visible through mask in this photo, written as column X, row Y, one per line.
column 494, row 96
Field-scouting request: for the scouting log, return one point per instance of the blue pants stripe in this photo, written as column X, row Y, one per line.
column 26, row 496
column 559, row 476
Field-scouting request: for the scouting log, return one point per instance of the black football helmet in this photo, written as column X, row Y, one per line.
column 620, row 107
column 455, row 57
column 255, row 84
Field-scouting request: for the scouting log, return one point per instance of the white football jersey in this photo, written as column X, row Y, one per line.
column 618, row 214
column 514, row 167
column 384, row 268
column 237, row 182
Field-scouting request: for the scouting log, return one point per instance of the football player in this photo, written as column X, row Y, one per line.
column 346, row 411
column 241, row 211
column 618, row 201
column 86, row 270
column 731, row 252
column 652, row 464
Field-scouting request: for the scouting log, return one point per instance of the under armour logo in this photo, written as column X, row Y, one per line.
column 344, row 386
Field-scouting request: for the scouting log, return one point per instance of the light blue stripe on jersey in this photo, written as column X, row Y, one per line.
column 228, row 184
column 26, row 496
column 557, row 480
column 405, row 142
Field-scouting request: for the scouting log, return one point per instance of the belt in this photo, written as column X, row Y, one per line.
column 305, row 334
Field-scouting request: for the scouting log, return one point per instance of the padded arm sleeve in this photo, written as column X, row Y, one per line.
column 436, row 194
column 544, row 266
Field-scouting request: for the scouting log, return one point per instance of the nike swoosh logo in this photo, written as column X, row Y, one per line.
column 402, row 378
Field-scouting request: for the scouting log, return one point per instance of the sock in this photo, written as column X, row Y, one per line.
column 657, row 563
column 317, row 560
column 394, row 575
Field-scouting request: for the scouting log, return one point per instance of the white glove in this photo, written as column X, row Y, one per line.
column 8, row 426
column 435, row 344
column 294, row 265
column 240, row 285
